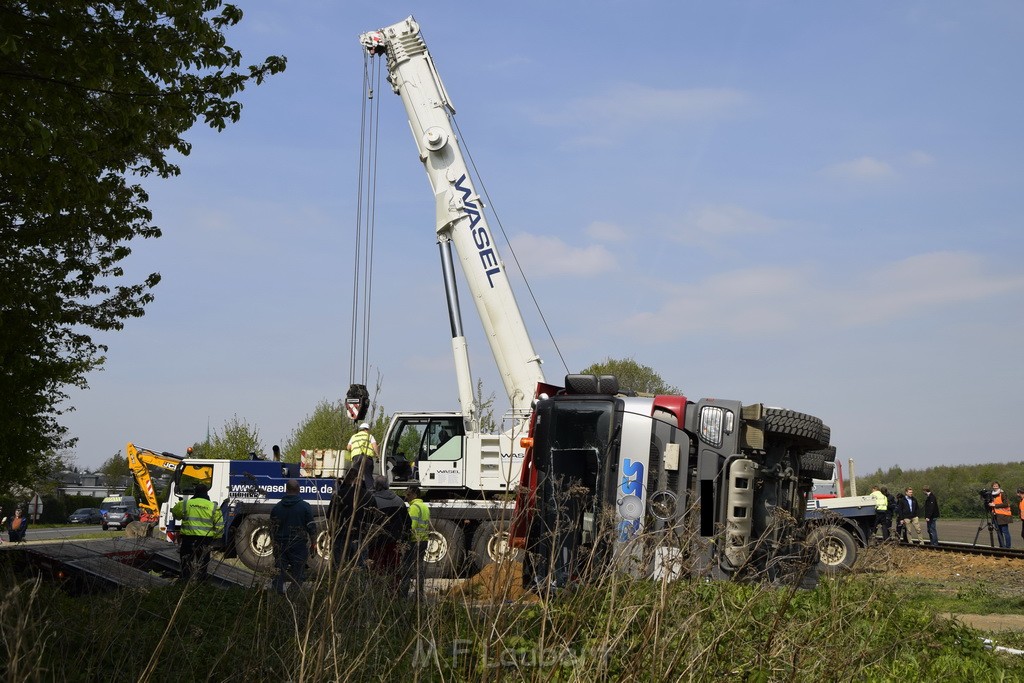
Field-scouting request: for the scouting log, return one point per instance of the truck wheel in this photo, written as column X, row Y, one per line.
column 818, row 464
column 837, row 549
column 490, row 544
column 320, row 558
column 446, row 546
column 803, row 430
column 254, row 544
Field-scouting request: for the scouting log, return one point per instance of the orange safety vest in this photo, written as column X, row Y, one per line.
column 998, row 506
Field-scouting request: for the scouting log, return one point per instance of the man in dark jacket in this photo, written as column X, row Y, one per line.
column 390, row 529
column 931, row 513
column 291, row 522
column 346, row 514
column 909, row 514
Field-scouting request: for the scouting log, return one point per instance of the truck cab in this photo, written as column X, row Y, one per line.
column 662, row 484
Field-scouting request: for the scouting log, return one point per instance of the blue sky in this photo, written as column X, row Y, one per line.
column 809, row 205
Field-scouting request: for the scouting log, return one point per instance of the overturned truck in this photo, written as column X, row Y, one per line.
column 664, row 486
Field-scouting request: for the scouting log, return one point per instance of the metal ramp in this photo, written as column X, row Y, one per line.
column 126, row 562
column 220, row 572
column 113, row 562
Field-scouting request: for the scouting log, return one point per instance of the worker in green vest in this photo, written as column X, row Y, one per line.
column 199, row 522
column 419, row 533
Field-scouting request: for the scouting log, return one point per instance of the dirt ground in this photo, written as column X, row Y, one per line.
column 952, row 572
column 946, row 571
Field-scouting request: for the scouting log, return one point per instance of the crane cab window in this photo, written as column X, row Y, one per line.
column 422, row 438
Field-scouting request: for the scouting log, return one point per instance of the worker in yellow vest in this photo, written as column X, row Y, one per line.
column 199, row 522
column 362, row 448
column 419, row 534
column 881, row 512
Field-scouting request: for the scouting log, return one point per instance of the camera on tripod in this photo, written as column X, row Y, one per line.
column 986, row 495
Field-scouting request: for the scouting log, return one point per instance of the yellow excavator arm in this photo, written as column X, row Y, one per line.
column 139, row 462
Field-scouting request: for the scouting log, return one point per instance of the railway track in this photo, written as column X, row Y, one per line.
column 967, row 549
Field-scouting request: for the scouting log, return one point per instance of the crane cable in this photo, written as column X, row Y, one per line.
column 497, row 219
column 362, row 252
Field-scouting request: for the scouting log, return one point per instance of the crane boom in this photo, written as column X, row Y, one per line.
column 460, row 220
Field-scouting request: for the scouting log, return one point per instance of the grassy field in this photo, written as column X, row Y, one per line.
column 352, row 625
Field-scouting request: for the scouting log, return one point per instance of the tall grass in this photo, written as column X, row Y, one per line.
column 351, row 625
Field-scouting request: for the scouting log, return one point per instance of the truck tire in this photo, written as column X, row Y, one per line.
column 320, row 558
column 818, row 464
column 490, row 544
column 254, row 544
column 446, row 547
column 800, row 429
column 837, row 549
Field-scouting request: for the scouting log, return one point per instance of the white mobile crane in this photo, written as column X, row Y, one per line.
column 465, row 471
column 732, row 473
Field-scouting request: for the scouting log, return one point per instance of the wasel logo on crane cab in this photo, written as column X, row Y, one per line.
column 481, row 237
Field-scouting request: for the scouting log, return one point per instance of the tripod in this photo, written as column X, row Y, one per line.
column 991, row 529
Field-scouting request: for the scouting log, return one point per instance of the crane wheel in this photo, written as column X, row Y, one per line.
column 446, row 548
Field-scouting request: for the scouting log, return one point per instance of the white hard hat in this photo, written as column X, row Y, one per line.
column 364, row 426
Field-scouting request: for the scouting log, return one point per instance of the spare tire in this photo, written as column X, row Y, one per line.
column 799, row 429
column 254, row 543
column 818, row 464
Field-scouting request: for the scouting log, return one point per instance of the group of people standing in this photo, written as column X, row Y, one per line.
column 371, row 527
column 906, row 511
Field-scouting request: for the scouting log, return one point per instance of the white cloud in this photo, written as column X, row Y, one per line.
column 862, row 169
column 715, row 221
column 919, row 283
column 919, row 158
column 606, row 232
column 757, row 300
column 631, row 104
column 550, row 255
column 775, row 300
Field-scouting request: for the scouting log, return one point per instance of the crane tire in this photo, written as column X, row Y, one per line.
column 254, row 543
column 446, row 549
column 490, row 544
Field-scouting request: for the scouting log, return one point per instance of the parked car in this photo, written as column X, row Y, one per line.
column 85, row 516
column 119, row 517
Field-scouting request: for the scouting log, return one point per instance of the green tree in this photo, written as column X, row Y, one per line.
column 115, row 467
column 235, row 442
column 92, row 95
column 322, row 429
column 329, row 427
column 632, row 376
column 485, row 408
